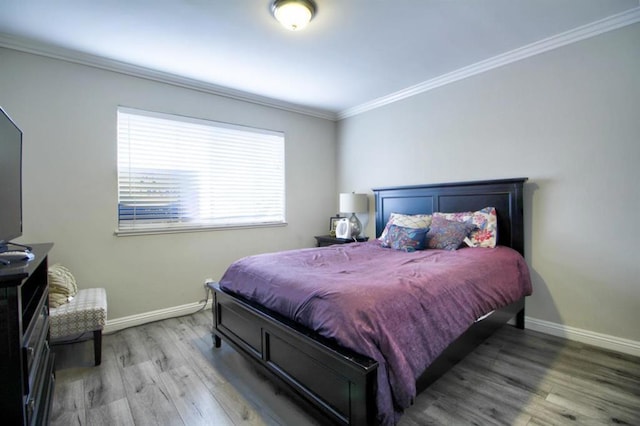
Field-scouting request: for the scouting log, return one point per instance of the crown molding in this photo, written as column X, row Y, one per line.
column 73, row 56
column 593, row 29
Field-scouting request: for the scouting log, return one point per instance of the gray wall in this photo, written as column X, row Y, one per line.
column 568, row 119
column 68, row 115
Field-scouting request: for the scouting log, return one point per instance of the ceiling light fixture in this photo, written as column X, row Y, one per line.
column 294, row 15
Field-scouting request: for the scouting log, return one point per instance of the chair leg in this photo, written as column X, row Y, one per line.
column 97, row 346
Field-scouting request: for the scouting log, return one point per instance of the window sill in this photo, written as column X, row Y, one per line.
column 184, row 229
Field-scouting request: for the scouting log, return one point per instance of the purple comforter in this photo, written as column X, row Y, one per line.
column 400, row 309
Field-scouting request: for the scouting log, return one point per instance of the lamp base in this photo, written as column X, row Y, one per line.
column 356, row 226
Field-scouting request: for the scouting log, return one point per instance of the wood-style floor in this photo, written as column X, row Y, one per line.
column 167, row 373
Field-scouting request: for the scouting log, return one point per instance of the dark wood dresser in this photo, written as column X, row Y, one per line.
column 26, row 361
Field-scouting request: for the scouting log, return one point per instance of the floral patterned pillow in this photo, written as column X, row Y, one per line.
column 447, row 234
column 485, row 220
column 407, row 239
column 406, row 221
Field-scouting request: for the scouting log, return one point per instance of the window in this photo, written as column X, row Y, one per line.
column 177, row 173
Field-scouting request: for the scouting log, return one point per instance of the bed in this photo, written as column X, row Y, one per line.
column 342, row 383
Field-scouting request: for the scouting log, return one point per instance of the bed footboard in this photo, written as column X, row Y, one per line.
column 333, row 380
column 339, row 383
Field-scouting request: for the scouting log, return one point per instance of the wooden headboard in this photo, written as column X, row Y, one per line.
column 505, row 195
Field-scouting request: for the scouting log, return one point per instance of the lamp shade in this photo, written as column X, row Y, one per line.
column 354, row 203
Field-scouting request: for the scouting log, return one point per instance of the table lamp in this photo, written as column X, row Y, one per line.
column 354, row 203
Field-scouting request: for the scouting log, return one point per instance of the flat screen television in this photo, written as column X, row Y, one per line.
column 10, row 180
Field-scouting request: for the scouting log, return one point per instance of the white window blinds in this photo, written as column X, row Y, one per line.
column 177, row 172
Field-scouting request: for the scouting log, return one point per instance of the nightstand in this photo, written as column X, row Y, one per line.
column 327, row 240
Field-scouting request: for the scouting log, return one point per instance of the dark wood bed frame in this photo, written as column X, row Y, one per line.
column 337, row 382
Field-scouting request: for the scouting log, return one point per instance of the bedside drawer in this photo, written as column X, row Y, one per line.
column 328, row 240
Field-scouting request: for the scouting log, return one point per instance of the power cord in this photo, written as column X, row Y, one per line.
column 207, row 290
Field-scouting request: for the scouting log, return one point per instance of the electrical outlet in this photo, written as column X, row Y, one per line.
column 207, row 281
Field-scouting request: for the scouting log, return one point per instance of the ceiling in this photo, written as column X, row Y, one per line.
column 352, row 53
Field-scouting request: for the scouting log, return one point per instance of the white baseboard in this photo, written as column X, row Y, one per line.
column 605, row 341
column 146, row 317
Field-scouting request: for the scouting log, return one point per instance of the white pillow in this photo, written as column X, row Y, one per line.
column 406, row 221
column 62, row 285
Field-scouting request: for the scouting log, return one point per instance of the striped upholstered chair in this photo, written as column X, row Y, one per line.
column 84, row 311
